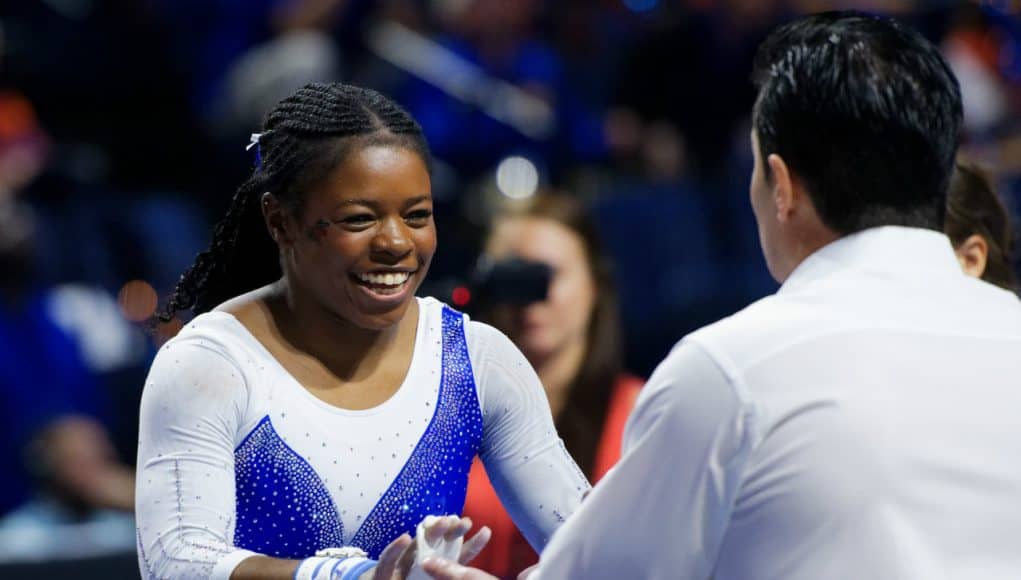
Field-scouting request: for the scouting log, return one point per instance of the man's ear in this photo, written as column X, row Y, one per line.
column 973, row 254
column 275, row 216
column 784, row 196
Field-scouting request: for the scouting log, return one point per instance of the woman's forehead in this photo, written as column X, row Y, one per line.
column 535, row 237
column 376, row 175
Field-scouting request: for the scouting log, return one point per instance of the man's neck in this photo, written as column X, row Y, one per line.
column 806, row 245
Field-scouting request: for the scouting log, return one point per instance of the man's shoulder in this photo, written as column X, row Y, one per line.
column 767, row 326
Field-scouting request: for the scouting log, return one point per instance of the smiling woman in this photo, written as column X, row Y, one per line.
column 314, row 402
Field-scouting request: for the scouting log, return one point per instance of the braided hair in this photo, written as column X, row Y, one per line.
column 304, row 137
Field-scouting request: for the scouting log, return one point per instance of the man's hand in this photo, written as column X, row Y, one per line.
column 447, row 570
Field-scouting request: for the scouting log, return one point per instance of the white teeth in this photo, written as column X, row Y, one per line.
column 390, row 279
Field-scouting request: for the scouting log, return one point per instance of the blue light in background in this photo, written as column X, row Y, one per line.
column 641, row 5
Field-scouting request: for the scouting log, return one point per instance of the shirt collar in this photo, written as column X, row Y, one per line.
column 887, row 249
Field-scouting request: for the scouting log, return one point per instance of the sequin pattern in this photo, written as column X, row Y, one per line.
column 283, row 508
column 435, row 478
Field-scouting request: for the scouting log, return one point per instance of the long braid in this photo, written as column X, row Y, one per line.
column 303, row 137
column 208, row 262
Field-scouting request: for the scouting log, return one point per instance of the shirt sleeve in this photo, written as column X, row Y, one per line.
column 533, row 474
column 191, row 413
column 661, row 513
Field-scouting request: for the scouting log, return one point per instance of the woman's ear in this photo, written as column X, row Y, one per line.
column 972, row 253
column 275, row 217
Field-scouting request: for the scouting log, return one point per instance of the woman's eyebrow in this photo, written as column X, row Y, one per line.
column 374, row 204
column 415, row 200
column 357, row 201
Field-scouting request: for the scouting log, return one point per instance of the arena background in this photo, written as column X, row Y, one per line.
column 123, row 126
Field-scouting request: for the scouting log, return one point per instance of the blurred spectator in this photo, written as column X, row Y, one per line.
column 240, row 57
column 79, row 509
column 267, row 73
column 983, row 46
column 974, row 47
column 61, row 474
column 979, row 227
column 494, row 87
column 572, row 340
column 300, row 50
column 99, row 76
column 688, row 71
column 106, row 235
column 125, row 160
column 663, row 241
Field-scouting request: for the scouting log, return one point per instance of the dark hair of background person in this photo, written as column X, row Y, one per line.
column 974, row 208
column 304, row 137
column 581, row 421
column 867, row 112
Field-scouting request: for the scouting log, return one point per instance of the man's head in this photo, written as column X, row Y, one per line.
column 855, row 126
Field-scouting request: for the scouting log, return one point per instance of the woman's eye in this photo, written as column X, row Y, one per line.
column 419, row 215
column 358, row 219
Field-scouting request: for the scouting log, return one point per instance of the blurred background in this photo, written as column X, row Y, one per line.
column 123, row 126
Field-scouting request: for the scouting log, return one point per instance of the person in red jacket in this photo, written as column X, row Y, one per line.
column 572, row 339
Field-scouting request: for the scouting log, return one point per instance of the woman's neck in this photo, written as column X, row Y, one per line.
column 349, row 351
column 558, row 372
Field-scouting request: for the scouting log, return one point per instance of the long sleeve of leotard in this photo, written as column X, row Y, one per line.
column 191, row 410
column 530, row 469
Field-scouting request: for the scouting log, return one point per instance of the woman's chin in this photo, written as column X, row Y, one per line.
column 535, row 348
column 375, row 309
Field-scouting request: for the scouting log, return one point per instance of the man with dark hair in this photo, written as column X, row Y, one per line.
column 866, row 113
column 862, row 422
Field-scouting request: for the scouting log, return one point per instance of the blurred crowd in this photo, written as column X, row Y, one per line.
column 123, row 126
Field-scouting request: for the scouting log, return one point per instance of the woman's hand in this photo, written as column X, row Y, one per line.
column 397, row 560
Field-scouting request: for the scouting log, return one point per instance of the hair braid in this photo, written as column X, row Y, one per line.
column 303, row 138
column 220, row 250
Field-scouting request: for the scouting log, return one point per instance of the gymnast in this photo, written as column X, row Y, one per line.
column 315, row 411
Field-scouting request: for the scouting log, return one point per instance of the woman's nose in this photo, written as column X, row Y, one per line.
column 392, row 239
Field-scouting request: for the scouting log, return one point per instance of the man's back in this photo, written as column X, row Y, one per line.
column 883, row 389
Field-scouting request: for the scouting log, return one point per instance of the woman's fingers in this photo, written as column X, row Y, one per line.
column 437, row 529
column 390, row 556
column 474, row 545
column 459, row 528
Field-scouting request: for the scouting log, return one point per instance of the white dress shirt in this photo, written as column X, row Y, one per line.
column 862, row 423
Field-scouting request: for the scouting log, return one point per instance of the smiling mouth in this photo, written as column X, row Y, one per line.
column 384, row 283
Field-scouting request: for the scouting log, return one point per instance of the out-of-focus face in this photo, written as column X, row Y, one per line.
column 544, row 328
column 764, row 207
column 363, row 243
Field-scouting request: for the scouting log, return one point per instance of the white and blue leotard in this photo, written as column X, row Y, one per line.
column 236, row 458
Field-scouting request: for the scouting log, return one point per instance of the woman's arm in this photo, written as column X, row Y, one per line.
column 531, row 471
column 191, row 412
